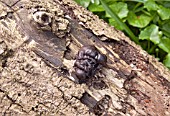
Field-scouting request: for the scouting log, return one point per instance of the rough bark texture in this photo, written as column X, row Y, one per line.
column 39, row 40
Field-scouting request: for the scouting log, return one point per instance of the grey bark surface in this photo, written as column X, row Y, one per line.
column 39, row 40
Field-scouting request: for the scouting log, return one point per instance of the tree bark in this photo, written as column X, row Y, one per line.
column 39, row 40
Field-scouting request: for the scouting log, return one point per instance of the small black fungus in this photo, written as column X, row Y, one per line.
column 88, row 60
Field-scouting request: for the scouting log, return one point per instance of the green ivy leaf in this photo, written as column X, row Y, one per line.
column 150, row 5
column 150, row 33
column 167, row 61
column 116, row 18
column 115, row 24
column 84, row 3
column 110, row 1
column 155, row 17
column 165, row 44
column 138, row 21
column 164, row 13
column 155, row 35
column 166, row 28
column 166, row 4
column 97, row 2
column 143, row 1
column 120, row 9
column 96, row 8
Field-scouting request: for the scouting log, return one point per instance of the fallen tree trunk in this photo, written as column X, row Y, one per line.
column 39, row 41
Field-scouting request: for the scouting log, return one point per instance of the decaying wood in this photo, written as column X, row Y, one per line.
column 39, row 40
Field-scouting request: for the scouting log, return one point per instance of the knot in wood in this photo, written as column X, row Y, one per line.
column 48, row 21
column 87, row 61
column 42, row 18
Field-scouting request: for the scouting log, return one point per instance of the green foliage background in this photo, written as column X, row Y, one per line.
column 146, row 22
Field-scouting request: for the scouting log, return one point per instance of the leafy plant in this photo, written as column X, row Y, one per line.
column 147, row 22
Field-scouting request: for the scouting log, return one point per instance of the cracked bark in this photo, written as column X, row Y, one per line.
column 38, row 44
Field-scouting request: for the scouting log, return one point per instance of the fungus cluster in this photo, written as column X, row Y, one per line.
column 87, row 62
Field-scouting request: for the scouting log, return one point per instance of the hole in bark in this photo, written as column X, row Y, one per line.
column 99, row 85
column 45, row 18
column 36, row 106
column 19, row 94
column 21, row 7
column 38, row 7
column 37, row 17
column 64, row 70
column 32, row 109
column 55, row 12
column 4, row 63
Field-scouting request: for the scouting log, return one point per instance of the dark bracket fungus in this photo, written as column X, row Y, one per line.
column 87, row 62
